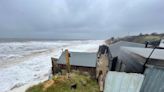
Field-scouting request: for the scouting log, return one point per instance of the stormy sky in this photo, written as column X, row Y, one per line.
column 79, row 19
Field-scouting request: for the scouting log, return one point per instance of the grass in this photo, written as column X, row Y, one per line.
column 142, row 39
column 62, row 84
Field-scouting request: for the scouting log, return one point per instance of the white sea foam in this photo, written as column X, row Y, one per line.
column 25, row 63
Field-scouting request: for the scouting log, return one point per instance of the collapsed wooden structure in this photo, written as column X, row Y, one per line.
column 135, row 58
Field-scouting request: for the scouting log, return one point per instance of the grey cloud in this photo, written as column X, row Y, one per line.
column 79, row 19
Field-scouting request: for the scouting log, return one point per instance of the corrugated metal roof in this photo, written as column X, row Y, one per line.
column 80, row 59
column 123, row 82
column 124, row 62
column 134, row 58
column 154, row 80
column 145, row 52
column 115, row 48
column 161, row 43
column 132, row 63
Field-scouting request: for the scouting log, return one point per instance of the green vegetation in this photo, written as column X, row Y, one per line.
column 141, row 38
column 63, row 84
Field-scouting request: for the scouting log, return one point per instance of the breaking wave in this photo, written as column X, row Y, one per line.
column 22, row 63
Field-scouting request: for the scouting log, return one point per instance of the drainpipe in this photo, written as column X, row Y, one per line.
column 147, row 60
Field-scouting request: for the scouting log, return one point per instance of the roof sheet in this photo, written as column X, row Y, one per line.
column 123, row 82
column 161, row 43
column 80, row 59
column 115, row 48
column 145, row 52
column 154, row 80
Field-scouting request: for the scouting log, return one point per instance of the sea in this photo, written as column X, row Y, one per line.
column 23, row 62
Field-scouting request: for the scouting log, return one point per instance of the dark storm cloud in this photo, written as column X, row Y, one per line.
column 79, row 19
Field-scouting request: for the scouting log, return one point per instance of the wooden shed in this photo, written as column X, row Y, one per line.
column 82, row 61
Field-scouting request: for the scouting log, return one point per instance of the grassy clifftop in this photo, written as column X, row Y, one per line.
column 62, row 84
column 141, row 38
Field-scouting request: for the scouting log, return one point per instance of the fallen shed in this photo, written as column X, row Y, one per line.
column 132, row 58
column 121, row 62
column 136, row 58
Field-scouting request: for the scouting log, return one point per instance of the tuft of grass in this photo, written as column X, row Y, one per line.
column 36, row 88
column 62, row 84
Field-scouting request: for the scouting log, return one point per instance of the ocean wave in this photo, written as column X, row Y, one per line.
column 31, row 61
